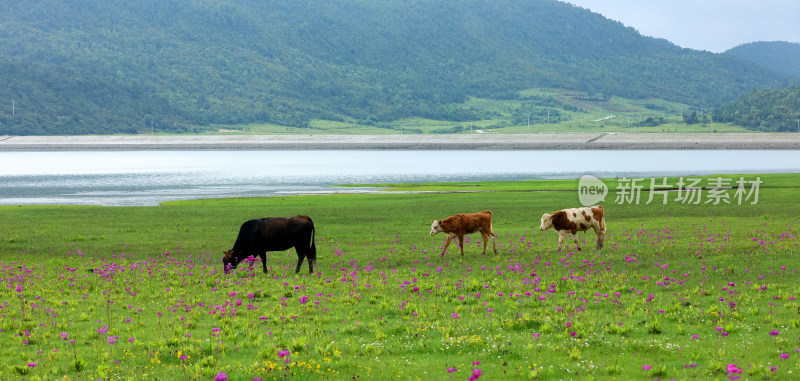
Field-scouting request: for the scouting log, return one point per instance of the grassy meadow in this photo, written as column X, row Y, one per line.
column 698, row 291
column 537, row 111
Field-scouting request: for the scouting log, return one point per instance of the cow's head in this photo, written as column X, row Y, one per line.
column 547, row 221
column 436, row 227
column 229, row 261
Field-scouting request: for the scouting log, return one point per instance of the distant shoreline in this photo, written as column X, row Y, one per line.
column 581, row 141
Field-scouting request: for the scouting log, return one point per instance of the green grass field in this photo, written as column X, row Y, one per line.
column 549, row 110
column 680, row 291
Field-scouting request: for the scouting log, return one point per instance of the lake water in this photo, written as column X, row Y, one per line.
column 150, row 177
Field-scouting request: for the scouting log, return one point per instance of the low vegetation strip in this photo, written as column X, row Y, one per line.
column 611, row 141
column 678, row 291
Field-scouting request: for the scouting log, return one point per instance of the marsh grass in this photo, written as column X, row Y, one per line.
column 680, row 291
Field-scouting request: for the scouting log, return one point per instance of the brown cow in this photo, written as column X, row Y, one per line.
column 465, row 223
column 571, row 221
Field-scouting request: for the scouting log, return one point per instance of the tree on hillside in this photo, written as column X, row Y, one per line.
column 691, row 118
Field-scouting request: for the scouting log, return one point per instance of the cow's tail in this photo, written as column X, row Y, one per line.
column 312, row 246
column 313, row 233
column 491, row 222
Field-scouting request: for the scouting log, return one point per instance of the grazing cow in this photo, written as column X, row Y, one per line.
column 465, row 223
column 258, row 236
column 571, row 221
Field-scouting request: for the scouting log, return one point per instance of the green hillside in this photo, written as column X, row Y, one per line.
column 779, row 56
column 95, row 66
column 774, row 110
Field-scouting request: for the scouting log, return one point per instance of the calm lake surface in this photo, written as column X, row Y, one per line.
column 150, row 177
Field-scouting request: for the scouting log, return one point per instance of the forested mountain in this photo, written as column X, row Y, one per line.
column 99, row 66
column 779, row 56
column 774, row 110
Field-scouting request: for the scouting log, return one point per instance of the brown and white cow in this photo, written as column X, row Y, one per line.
column 571, row 221
column 465, row 223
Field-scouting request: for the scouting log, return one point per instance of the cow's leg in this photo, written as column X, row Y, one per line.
column 301, row 255
column 561, row 237
column 575, row 239
column 263, row 257
column 312, row 257
column 486, row 237
column 461, row 243
column 308, row 254
column 446, row 244
column 600, row 237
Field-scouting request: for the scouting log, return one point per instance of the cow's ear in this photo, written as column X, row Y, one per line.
column 228, row 254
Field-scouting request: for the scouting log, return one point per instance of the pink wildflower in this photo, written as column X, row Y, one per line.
column 476, row 373
column 732, row 368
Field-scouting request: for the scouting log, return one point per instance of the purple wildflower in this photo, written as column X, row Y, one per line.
column 476, row 373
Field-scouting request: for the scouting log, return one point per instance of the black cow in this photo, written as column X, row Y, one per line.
column 257, row 237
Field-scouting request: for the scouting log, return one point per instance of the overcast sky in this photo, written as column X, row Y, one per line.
column 713, row 25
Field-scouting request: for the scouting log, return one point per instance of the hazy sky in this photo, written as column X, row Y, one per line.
column 713, row 25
